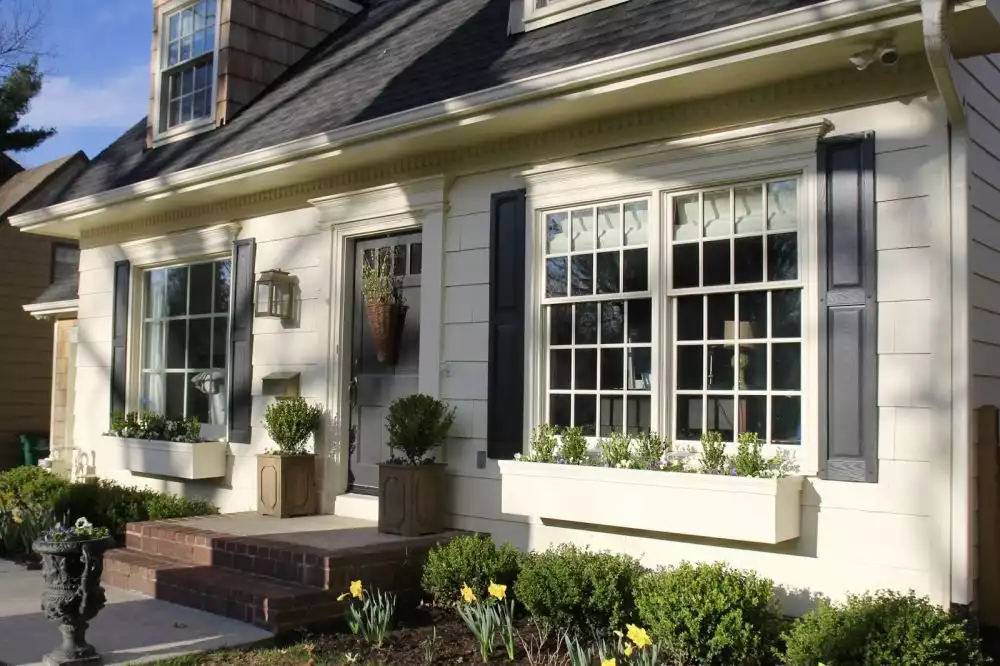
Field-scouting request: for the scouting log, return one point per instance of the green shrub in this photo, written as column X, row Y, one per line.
column 543, row 443
column 416, row 425
column 649, row 450
column 150, row 425
column 573, row 449
column 471, row 560
column 881, row 628
column 32, row 500
column 573, row 589
column 162, row 507
column 32, row 485
column 289, row 422
column 713, row 458
column 710, row 614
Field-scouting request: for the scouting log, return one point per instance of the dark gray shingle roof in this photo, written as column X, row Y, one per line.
column 402, row 54
column 63, row 290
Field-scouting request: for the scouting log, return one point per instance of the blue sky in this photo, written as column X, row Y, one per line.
column 96, row 76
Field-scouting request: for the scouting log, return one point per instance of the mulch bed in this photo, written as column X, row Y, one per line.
column 336, row 646
column 414, row 632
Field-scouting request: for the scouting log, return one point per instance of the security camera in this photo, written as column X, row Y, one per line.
column 887, row 55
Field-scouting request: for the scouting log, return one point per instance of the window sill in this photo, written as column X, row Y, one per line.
column 701, row 505
column 184, row 131
column 179, row 460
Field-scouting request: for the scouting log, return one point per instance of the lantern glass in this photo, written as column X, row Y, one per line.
column 274, row 295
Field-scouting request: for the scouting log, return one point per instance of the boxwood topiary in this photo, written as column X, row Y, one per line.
column 710, row 614
column 471, row 560
column 572, row 589
column 880, row 628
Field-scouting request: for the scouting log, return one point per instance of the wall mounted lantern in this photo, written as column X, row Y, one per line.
column 274, row 295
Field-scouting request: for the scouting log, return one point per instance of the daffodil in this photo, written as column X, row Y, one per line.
column 357, row 590
column 628, row 649
column 467, row 594
column 638, row 636
column 610, row 661
column 498, row 591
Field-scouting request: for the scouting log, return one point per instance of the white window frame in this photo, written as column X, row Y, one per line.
column 161, row 133
column 534, row 17
column 181, row 249
column 697, row 163
column 599, row 299
column 672, row 293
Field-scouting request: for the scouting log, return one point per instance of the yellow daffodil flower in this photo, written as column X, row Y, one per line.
column 497, row 591
column 467, row 594
column 356, row 589
column 638, row 636
column 609, row 662
column 628, row 649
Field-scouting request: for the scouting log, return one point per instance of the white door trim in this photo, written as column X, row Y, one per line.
column 413, row 206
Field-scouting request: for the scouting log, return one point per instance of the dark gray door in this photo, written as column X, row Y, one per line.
column 373, row 384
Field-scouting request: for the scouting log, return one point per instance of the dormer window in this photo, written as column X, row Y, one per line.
column 540, row 13
column 188, row 50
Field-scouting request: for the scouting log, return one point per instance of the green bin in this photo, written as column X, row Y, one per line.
column 34, row 447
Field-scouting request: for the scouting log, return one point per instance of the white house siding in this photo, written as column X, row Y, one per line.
column 855, row 536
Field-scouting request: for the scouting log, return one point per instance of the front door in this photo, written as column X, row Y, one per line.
column 374, row 385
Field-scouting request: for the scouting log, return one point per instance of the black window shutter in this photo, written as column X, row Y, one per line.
column 119, row 336
column 505, row 392
column 848, row 316
column 241, row 339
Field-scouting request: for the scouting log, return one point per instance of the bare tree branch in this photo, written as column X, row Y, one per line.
column 21, row 27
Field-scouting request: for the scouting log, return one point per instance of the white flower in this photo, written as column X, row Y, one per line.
column 517, row 456
column 83, row 524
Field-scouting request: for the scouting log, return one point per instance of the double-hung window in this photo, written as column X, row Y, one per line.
column 729, row 291
column 187, row 64
column 599, row 308
column 185, row 342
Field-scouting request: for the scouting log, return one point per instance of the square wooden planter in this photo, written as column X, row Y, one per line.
column 702, row 505
column 411, row 499
column 286, row 485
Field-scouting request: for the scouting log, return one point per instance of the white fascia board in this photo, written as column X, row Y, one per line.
column 55, row 308
column 713, row 44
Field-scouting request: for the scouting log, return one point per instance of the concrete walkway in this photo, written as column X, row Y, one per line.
column 130, row 629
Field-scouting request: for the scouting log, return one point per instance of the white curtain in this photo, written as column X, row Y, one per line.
column 153, row 347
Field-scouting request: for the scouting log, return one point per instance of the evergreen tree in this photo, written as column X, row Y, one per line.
column 22, row 84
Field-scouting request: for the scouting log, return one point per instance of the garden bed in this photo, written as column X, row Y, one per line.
column 335, row 645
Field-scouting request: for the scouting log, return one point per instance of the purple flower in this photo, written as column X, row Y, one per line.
column 732, row 471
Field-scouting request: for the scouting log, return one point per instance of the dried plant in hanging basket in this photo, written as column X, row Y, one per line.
column 384, row 305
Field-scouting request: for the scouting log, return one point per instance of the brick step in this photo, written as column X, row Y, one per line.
column 392, row 565
column 268, row 603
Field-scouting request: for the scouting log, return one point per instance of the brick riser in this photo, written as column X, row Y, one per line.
column 267, row 603
column 275, row 585
column 388, row 565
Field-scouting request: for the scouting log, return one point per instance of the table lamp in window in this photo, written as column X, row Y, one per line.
column 742, row 330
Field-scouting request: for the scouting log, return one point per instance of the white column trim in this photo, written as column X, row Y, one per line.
column 414, row 206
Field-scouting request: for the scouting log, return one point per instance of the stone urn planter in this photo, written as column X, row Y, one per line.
column 73, row 594
column 411, row 484
column 411, row 498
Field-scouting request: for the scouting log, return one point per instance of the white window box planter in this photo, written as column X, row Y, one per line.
column 180, row 460
column 703, row 505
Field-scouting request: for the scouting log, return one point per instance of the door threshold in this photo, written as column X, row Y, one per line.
column 356, row 505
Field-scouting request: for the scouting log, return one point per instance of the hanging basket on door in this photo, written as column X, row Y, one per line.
column 384, row 305
column 386, row 322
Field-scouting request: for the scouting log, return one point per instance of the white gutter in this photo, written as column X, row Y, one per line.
column 955, row 524
column 817, row 18
column 936, row 44
column 46, row 310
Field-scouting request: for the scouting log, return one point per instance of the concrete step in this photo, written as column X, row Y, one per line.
column 265, row 602
column 390, row 564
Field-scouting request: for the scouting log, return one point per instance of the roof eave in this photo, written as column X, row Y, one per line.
column 714, row 45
